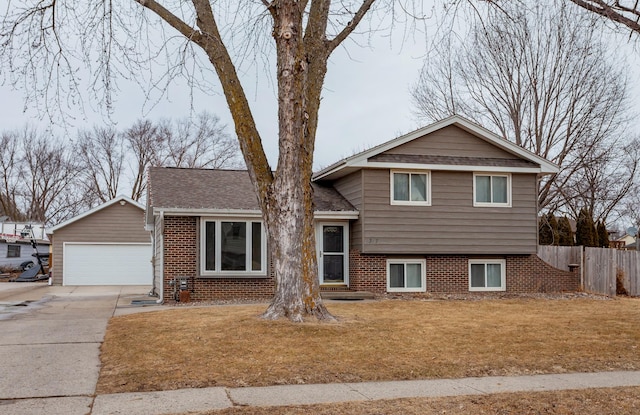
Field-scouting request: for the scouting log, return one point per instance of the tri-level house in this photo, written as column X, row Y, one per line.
column 449, row 208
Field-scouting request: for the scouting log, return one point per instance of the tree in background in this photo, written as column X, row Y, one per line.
column 586, row 234
column 101, row 152
column 44, row 179
column 548, row 230
column 603, row 235
column 565, row 234
column 39, row 177
column 11, row 170
column 532, row 73
column 201, row 142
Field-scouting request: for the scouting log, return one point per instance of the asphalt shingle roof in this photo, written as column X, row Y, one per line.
column 178, row 188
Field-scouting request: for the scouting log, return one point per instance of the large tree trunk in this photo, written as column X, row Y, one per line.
column 289, row 208
column 292, row 244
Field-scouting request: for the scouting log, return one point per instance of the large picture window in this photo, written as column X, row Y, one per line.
column 487, row 275
column 232, row 247
column 410, row 188
column 406, row 275
column 491, row 189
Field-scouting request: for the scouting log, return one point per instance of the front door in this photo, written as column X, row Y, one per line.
column 333, row 260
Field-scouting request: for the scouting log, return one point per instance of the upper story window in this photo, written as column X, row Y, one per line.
column 410, row 188
column 491, row 189
column 232, row 247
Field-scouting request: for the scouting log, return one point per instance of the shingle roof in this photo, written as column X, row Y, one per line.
column 178, row 188
column 454, row 161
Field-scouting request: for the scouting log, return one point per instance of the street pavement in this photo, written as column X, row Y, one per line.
column 49, row 364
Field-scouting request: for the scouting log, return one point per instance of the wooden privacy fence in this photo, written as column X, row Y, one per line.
column 599, row 267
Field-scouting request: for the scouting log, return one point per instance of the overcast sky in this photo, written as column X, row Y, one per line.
column 365, row 101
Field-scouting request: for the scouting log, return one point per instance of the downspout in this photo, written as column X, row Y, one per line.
column 160, row 240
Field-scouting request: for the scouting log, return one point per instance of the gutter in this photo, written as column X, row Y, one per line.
column 160, row 299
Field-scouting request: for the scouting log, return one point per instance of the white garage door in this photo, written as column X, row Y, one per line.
column 107, row 264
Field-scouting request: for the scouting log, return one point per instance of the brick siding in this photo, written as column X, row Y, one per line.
column 450, row 274
column 181, row 260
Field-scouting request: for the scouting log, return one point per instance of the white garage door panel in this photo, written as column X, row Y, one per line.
column 107, row 264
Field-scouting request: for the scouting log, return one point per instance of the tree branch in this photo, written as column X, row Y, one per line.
column 350, row 27
column 603, row 9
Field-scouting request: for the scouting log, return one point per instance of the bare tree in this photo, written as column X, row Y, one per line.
column 50, row 180
column 538, row 76
column 304, row 34
column 604, row 180
column 144, row 140
column 101, row 151
column 11, row 173
column 200, row 143
column 194, row 143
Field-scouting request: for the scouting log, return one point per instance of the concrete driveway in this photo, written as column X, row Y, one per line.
column 49, row 349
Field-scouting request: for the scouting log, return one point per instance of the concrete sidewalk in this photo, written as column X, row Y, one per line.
column 194, row 400
column 49, row 364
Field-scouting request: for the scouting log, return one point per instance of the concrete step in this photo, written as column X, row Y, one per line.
column 347, row 295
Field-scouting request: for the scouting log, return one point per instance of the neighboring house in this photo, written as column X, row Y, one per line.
column 15, row 244
column 106, row 245
column 625, row 242
column 449, row 208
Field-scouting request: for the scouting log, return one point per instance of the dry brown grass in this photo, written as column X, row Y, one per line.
column 386, row 340
column 614, row 401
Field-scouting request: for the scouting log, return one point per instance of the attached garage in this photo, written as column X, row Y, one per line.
column 106, row 245
column 94, row 264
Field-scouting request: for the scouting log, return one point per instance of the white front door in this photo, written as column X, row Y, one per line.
column 333, row 252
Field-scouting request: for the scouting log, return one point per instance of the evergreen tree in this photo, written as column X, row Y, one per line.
column 548, row 230
column 585, row 229
column 565, row 235
column 603, row 235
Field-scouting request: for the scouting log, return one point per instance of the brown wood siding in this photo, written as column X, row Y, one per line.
column 451, row 225
column 451, row 141
column 350, row 187
column 115, row 223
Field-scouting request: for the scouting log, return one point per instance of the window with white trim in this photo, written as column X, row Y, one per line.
column 410, row 188
column 232, row 247
column 491, row 189
column 487, row 275
column 406, row 275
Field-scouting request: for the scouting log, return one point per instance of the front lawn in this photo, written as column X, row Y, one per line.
column 383, row 340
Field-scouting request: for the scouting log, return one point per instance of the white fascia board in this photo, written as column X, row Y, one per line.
column 336, row 215
column 449, row 167
column 113, row 201
column 238, row 213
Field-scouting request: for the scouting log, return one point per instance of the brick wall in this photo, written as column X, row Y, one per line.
column 367, row 272
column 445, row 273
column 181, row 260
column 450, row 274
